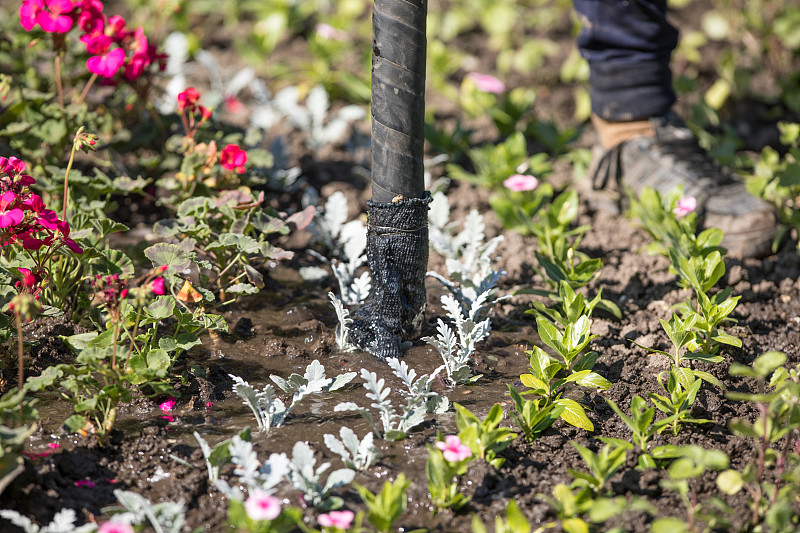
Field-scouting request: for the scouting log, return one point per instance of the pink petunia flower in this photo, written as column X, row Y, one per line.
column 487, row 83
column 453, row 450
column 521, row 182
column 685, row 205
column 233, row 157
column 115, row 527
column 336, row 519
column 262, row 506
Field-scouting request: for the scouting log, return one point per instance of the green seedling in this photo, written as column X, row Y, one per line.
column 385, row 508
column 602, row 465
column 493, row 163
column 18, row 418
column 688, row 464
column 514, row 522
column 484, row 437
column 678, row 404
column 641, row 425
column 535, row 416
column 579, row 511
column 775, row 433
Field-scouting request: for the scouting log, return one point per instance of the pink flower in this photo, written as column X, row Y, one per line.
column 209, row 405
column 141, row 57
column 168, row 405
column 233, row 157
column 262, row 506
column 11, row 217
column 521, row 182
column 685, row 205
column 487, row 83
column 453, row 450
column 29, row 279
column 158, row 286
column 116, row 28
column 53, row 16
column 115, row 527
column 336, row 519
column 85, row 483
column 326, row 31
column 233, row 104
column 107, row 64
column 28, row 11
column 54, row 445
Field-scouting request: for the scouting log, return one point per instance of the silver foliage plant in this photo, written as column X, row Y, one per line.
column 252, row 473
column 468, row 258
column 356, row 454
column 63, row 522
column 420, row 400
column 163, row 517
column 306, row 477
column 346, row 243
column 457, row 346
column 269, row 410
column 343, row 329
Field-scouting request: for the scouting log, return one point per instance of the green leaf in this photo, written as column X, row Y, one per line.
column 730, row 482
column 668, row 525
column 242, row 243
column 171, row 255
column 724, row 338
column 163, row 307
column 574, row 414
column 766, row 363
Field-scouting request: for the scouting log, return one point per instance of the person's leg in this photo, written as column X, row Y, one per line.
column 628, row 44
column 641, row 142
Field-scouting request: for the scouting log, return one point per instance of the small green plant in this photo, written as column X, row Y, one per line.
column 484, row 437
column 307, row 479
column 514, row 522
column 219, row 455
column 534, row 416
column 641, row 425
column 385, row 508
column 494, row 163
column 18, row 418
column 602, row 465
column 677, row 405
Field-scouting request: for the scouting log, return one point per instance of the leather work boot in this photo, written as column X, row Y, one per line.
column 662, row 153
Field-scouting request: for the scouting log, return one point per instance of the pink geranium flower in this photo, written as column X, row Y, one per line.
column 28, row 11
column 262, row 506
column 188, row 98
column 56, row 18
column 685, row 205
column 233, row 157
column 140, row 59
column 115, row 527
column 453, row 450
column 521, row 182
column 487, row 83
column 12, row 217
column 158, row 286
column 336, row 519
column 106, row 65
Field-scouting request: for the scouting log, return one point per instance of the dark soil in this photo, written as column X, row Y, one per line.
column 290, row 324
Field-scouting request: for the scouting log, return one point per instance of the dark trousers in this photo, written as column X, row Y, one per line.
column 628, row 44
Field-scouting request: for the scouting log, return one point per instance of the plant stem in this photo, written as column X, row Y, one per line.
column 66, row 175
column 58, row 81
column 114, row 347
column 86, row 88
column 21, row 376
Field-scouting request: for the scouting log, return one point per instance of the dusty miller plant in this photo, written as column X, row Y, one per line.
column 420, row 400
column 63, row 522
column 269, row 410
column 469, row 259
column 356, row 455
column 308, row 480
column 346, row 242
column 343, row 329
column 252, row 473
column 164, row 517
column 456, row 347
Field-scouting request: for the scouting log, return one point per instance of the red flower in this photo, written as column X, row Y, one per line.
column 158, row 286
column 63, row 228
column 233, row 157
column 29, row 279
column 11, row 217
column 141, row 56
column 188, row 98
